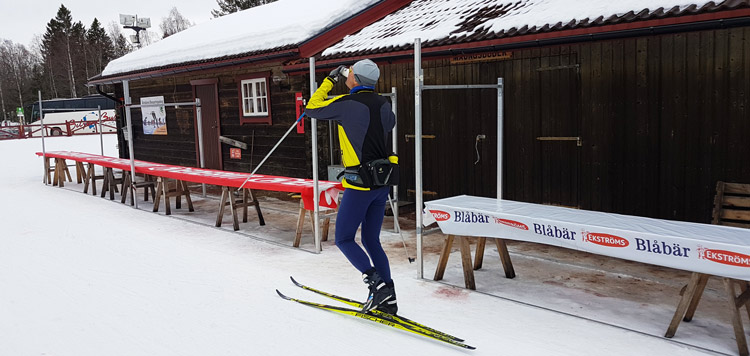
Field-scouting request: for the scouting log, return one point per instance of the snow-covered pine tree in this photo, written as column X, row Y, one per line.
column 227, row 7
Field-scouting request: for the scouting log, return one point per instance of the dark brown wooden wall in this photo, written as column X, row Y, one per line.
column 661, row 118
column 291, row 158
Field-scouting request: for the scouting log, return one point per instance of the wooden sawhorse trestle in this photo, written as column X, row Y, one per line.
column 463, row 243
column 90, row 179
column 691, row 295
column 110, row 182
column 325, row 215
column 731, row 204
column 59, row 171
column 247, row 199
column 180, row 189
column 148, row 184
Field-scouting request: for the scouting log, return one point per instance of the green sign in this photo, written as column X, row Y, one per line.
column 19, row 111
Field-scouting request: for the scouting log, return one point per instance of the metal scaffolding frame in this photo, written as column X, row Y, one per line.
column 129, row 123
column 41, row 123
column 418, row 88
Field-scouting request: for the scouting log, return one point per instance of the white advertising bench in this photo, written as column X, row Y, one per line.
column 712, row 250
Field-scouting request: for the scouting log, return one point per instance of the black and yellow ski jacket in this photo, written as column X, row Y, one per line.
column 365, row 120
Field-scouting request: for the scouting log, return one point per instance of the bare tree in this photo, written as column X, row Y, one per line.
column 16, row 66
column 148, row 37
column 174, row 23
column 11, row 56
column 46, row 82
column 2, row 100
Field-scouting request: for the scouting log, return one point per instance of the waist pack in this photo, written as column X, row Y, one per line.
column 373, row 174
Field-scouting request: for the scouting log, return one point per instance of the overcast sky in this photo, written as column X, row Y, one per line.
column 22, row 19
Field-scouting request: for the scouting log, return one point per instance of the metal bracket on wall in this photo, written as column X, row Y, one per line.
column 232, row 142
column 560, row 138
column 423, row 137
column 577, row 67
column 424, row 192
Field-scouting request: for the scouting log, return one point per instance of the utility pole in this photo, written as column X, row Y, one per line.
column 136, row 24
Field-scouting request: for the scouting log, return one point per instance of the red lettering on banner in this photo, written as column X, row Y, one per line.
column 605, row 239
column 511, row 223
column 724, row 257
column 440, row 215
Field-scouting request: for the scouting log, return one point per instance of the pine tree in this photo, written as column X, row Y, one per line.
column 227, row 7
column 120, row 45
column 56, row 50
column 79, row 53
column 100, row 47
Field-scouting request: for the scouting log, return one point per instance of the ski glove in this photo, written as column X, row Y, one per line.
column 334, row 75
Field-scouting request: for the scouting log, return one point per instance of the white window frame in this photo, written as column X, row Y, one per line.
column 252, row 98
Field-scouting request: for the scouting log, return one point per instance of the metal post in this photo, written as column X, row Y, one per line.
column 394, row 207
column 129, row 123
column 418, row 82
column 41, row 122
column 500, row 119
column 330, row 141
column 200, row 138
column 314, row 133
column 101, row 129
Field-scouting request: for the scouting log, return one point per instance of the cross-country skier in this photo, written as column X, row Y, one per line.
column 365, row 120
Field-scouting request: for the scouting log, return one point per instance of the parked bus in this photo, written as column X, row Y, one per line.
column 86, row 103
column 73, row 123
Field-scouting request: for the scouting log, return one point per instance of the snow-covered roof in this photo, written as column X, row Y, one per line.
column 275, row 26
column 443, row 22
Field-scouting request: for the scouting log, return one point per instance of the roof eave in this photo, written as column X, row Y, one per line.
column 182, row 68
column 364, row 18
column 682, row 23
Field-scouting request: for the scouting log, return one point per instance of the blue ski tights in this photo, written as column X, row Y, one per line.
column 366, row 208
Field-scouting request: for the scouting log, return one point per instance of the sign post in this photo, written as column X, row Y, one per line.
column 20, row 116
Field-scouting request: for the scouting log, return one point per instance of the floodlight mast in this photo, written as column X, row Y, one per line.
column 136, row 24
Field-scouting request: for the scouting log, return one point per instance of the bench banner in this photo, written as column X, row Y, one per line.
column 328, row 190
column 711, row 249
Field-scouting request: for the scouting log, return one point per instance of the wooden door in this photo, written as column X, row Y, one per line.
column 206, row 91
column 558, row 129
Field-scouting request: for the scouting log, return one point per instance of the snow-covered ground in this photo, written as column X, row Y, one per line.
column 82, row 275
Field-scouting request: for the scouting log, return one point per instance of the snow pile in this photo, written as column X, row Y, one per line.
column 274, row 25
column 439, row 19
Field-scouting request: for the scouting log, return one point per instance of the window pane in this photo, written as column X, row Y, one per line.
column 265, row 105
column 250, row 108
column 245, row 90
column 262, row 88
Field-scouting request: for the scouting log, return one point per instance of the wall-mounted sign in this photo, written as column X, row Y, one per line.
column 154, row 117
column 482, row 57
column 299, row 105
column 235, row 153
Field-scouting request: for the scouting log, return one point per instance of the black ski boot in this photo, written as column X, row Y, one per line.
column 382, row 295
